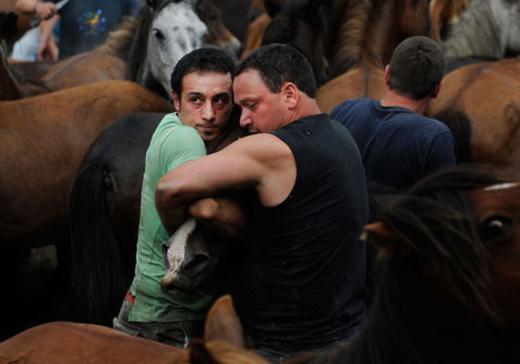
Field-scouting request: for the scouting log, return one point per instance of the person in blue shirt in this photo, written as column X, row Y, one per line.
column 84, row 25
column 399, row 145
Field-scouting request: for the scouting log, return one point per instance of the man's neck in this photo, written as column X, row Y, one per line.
column 306, row 108
column 392, row 98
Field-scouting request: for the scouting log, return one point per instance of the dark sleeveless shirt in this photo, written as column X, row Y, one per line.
column 307, row 271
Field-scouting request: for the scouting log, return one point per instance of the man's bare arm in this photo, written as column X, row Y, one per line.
column 252, row 161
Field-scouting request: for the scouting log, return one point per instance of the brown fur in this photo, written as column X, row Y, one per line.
column 489, row 93
column 42, row 141
column 255, row 32
column 73, row 343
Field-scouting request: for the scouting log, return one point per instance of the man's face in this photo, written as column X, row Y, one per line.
column 262, row 110
column 206, row 102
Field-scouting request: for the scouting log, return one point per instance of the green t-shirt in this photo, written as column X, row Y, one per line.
column 171, row 145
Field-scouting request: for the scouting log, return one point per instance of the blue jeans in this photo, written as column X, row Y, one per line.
column 177, row 334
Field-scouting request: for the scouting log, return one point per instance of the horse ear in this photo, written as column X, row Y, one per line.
column 223, row 323
column 382, row 237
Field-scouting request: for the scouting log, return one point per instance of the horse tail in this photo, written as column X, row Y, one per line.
column 98, row 281
column 460, row 126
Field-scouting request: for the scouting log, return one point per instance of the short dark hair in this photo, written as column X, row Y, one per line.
column 208, row 59
column 416, row 67
column 280, row 63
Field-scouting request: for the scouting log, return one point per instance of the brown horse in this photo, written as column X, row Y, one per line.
column 42, row 141
column 70, row 343
column 489, row 95
column 357, row 38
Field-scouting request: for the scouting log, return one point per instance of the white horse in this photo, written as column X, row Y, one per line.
column 169, row 29
column 487, row 28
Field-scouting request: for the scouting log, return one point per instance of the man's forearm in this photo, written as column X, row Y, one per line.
column 171, row 204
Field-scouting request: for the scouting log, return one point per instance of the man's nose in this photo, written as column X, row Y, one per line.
column 208, row 113
column 245, row 120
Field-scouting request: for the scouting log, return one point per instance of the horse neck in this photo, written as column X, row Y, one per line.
column 119, row 42
column 477, row 33
column 408, row 323
column 383, row 32
column 137, row 69
column 349, row 29
column 370, row 34
column 10, row 89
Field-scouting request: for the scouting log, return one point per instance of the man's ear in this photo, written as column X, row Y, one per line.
column 290, row 94
column 176, row 101
column 387, row 74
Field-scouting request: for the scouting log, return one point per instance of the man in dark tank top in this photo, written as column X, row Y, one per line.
column 304, row 280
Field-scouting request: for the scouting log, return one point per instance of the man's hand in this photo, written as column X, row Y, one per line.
column 48, row 50
column 221, row 214
column 45, row 10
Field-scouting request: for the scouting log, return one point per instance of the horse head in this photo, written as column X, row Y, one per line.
column 174, row 31
column 461, row 228
column 169, row 29
column 188, row 258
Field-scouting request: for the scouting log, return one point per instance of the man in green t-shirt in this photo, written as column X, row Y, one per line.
column 202, row 93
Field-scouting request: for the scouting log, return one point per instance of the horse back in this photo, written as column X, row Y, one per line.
column 72, row 343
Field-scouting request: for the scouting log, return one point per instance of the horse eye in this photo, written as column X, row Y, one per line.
column 494, row 227
column 158, row 34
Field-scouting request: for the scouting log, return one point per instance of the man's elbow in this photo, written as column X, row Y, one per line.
column 166, row 192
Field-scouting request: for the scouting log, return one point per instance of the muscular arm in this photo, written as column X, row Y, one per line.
column 262, row 161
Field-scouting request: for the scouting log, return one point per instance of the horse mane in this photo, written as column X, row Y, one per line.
column 136, row 57
column 351, row 35
column 476, row 33
column 434, row 215
column 118, row 41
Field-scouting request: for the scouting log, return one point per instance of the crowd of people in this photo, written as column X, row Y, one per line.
column 303, row 278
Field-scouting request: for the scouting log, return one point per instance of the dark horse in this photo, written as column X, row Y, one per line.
column 104, row 213
column 448, row 287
